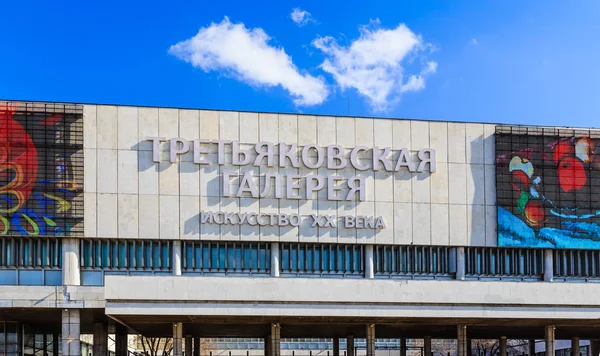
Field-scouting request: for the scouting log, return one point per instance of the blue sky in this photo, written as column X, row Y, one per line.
column 499, row 61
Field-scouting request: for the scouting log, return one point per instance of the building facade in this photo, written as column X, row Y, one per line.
column 218, row 224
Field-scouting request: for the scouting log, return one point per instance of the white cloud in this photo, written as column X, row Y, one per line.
column 417, row 82
column 374, row 63
column 301, row 17
column 246, row 55
column 473, row 41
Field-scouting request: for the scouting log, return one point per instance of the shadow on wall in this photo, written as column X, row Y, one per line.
column 477, row 213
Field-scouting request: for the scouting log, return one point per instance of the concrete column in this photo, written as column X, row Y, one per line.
column 549, row 340
column 100, row 346
column 427, row 346
column 350, row 345
column 369, row 262
column 460, row 263
column 196, row 346
column 188, row 345
column 44, row 344
column 176, row 258
column 55, row 344
column 267, row 345
column 402, row 346
column 70, row 271
column 71, row 346
column 469, row 346
column 272, row 343
column 595, row 347
column 275, row 259
column 575, row 346
column 371, row 335
column 503, row 346
column 120, row 340
column 336, row 346
column 461, row 336
column 177, row 339
column 531, row 347
column 548, row 266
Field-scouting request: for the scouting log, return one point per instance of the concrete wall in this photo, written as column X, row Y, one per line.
column 217, row 296
column 51, row 297
column 129, row 196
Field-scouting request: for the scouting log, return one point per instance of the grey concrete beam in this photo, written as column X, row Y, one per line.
column 345, row 297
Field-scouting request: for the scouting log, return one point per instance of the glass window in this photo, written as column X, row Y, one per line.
column 285, row 259
column 155, row 255
column 87, row 255
column 9, row 247
column 263, row 262
column 294, row 261
column 247, row 258
column 122, row 254
column 408, row 260
column 166, row 255
column 499, row 262
column 321, row 258
column 198, row 257
column 301, row 258
column 27, row 251
column 104, row 257
column 309, row 259
column 131, row 248
column 227, row 257
column 126, row 255
column 140, row 263
column 214, row 256
column 326, row 258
